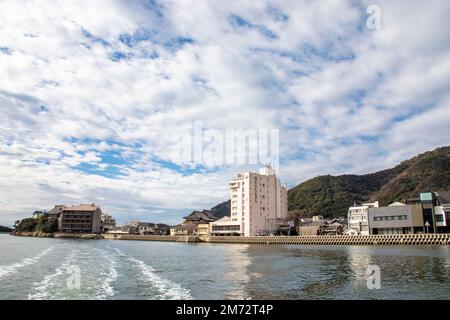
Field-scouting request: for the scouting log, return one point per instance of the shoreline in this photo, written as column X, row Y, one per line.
column 369, row 240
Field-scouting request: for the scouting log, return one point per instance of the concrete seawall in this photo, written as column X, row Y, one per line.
column 151, row 238
column 383, row 240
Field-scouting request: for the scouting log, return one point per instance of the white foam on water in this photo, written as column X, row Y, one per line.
column 13, row 268
column 167, row 289
column 41, row 289
column 111, row 274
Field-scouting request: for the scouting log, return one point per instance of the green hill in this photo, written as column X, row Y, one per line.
column 331, row 196
column 222, row 209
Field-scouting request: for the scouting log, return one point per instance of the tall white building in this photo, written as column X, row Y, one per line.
column 258, row 204
column 358, row 217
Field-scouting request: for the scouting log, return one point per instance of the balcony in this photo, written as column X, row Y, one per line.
column 234, row 185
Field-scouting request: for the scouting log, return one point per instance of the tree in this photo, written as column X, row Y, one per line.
column 38, row 213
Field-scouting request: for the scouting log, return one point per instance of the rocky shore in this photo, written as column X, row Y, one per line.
column 58, row 235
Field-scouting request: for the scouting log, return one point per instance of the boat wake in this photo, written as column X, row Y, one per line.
column 167, row 289
column 41, row 290
column 13, row 268
column 110, row 275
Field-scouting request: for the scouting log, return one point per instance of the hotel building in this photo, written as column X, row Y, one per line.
column 85, row 218
column 258, row 205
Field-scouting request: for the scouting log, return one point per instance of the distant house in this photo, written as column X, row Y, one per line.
column 197, row 217
column 108, row 223
column 149, row 228
column 350, row 232
column 331, row 229
column 192, row 222
column 183, row 230
column 307, row 227
column 317, row 218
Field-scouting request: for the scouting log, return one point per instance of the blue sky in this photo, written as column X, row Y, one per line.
column 91, row 94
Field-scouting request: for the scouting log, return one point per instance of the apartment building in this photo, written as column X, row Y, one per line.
column 358, row 217
column 258, row 204
column 85, row 218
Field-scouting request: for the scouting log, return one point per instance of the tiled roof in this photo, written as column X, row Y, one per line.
column 56, row 209
column 205, row 215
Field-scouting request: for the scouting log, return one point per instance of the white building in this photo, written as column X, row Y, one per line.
column 358, row 217
column 108, row 223
column 258, row 204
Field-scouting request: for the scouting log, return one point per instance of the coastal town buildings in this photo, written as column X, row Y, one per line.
column 358, row 217
column 146, row 228
column 191, row 223
column 428, row 213
column 436, row 210
column 84, row 218
column 108, row 223
column 258, row 204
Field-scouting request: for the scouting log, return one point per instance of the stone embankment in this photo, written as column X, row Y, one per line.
column 371, row 240
column 38, row 234
column 383, row 240
column 151, row 238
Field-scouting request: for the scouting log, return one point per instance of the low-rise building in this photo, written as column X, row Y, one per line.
column 308, row 227
column 85, row 218
column 396, row 219
column 108, row 223
column 192, row 222
column 226, row 227
column 442, row 211
column 203, row 229
column 358, row 218
column 183, row 230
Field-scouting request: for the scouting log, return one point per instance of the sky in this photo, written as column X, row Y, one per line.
column 92, row 92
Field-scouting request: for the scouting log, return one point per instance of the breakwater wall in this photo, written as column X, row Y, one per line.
column 150, row 238
column 383, row 240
